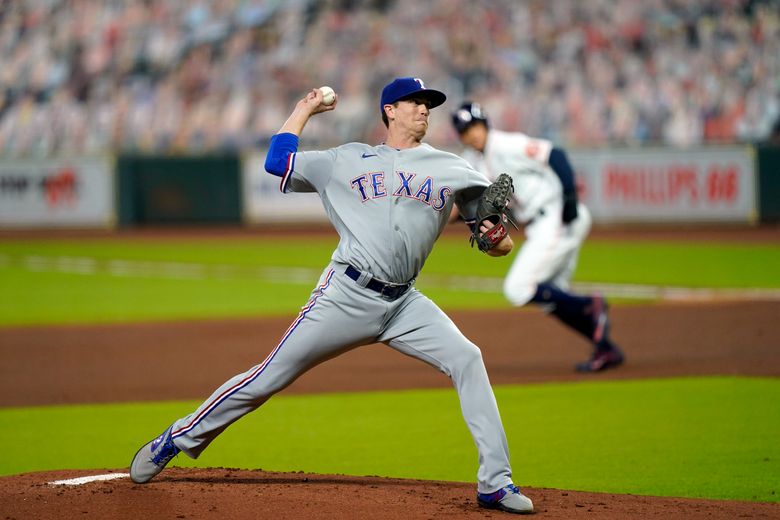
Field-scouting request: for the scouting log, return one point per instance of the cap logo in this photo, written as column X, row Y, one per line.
column 464, row 115
column 404, row 88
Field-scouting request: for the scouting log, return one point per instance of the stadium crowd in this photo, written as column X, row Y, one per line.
column 90, row 76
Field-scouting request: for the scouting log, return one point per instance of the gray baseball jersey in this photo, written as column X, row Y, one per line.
column 388, row 207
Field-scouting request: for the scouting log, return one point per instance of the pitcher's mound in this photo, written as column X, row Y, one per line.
column 242, row 494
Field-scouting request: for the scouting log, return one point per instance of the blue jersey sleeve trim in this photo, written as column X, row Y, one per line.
column 562, row 168
column 279, row 159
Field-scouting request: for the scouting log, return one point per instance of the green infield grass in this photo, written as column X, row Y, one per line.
column 710, row 437
column 89, row 281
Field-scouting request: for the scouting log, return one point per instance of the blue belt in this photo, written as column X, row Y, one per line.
column 388, row 291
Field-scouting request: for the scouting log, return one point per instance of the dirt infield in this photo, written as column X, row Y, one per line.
column 109, row 363
column 240, row 494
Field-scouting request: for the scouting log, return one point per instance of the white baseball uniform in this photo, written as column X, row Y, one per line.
column 551, row 249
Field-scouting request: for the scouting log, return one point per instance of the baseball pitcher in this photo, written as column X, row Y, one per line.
column 388, row 203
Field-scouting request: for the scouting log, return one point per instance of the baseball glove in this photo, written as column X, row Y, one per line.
column 492, row 207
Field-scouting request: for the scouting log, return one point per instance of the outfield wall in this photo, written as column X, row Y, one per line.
column 57, row 192
column 768, row 166
column 663, row 185
column 619, row 186
column 177, row 189
column 730, row 185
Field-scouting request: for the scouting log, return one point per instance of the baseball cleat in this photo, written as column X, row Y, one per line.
column 602, row 359
column 508, row 499
column 152, row 458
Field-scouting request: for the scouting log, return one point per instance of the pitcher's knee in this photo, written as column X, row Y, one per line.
column 467, row 355
column 518, row 294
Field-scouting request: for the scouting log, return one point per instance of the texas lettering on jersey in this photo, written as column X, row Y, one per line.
column 372, row 186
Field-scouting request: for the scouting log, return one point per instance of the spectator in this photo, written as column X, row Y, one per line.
column 205, row 75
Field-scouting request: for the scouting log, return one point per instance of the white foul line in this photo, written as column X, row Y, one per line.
column 86, row 480
column 304, row 275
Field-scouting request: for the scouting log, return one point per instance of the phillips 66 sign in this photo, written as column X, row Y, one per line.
column 657, row 185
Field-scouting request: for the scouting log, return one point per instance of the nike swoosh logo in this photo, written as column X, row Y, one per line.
column 367, row 155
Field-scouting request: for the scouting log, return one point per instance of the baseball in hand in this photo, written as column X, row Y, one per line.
column 328, row 95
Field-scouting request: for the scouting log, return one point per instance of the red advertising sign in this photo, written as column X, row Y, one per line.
column 678, row 185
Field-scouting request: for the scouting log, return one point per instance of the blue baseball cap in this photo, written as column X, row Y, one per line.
column 401, row 88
